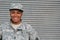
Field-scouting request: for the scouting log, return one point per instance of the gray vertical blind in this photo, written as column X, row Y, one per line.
column 44, row 16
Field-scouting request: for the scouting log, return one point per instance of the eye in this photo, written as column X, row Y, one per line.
column 12, row 12
column 18, row 12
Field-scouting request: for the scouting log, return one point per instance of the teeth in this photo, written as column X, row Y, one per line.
column 15, row 18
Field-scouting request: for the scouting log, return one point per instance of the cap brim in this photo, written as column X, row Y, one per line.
column 16, row 9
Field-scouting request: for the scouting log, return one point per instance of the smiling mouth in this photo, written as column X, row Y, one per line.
column 15, row 18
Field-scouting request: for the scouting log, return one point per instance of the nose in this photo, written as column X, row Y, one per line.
column 15, row 14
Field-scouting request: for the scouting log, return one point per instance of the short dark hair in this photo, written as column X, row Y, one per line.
column 16, row 9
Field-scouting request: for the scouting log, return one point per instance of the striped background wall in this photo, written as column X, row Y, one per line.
column 43, row 15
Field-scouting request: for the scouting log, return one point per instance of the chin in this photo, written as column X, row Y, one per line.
column 15, row 21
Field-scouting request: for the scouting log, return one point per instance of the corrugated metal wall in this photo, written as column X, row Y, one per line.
column 43, row 15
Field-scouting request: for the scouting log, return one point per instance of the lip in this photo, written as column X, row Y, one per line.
column 15, row 18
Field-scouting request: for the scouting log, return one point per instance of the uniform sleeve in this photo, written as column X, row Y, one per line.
column 33, row 34
column 0, row 31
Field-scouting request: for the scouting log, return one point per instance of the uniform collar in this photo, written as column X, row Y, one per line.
column 20, row 27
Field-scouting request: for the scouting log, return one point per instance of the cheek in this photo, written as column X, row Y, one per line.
column 11, row 15
column 20, row 15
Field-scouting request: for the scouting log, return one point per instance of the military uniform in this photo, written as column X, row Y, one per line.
column 23, row 32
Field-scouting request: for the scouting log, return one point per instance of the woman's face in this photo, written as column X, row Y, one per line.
column 15, row 16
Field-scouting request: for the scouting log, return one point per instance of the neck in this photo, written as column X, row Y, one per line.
column 16, row 23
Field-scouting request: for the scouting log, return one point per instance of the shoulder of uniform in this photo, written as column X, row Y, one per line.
column 28, row 26
column 4, row 24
